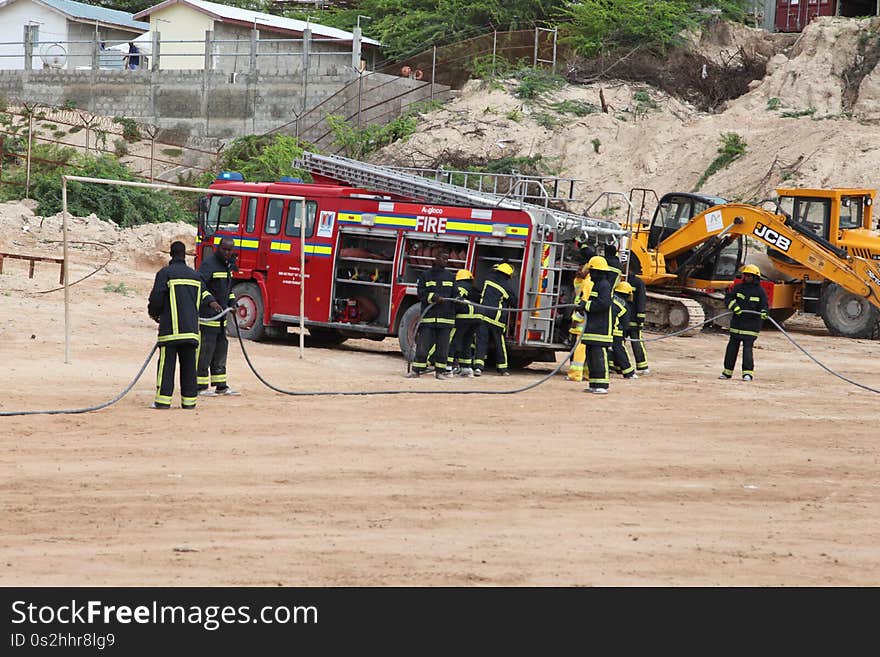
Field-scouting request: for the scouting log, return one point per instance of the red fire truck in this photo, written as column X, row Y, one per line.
column 366, row 245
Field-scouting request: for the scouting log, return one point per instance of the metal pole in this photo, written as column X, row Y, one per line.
column 360, row 92
column 152, row 153
column 535, row 58
column 494, row 50
column 307, row 48
column 66, row 270
column 302, row 280
column 433, row 71
column 27, row 183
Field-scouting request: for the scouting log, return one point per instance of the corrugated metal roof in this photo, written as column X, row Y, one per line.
column 260, row 19
column 84, row 12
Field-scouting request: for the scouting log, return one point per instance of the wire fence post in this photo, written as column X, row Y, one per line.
column 255, row 34
column 356, row 48
column 29, row 108
column 360, row 95
column 307, row 46
column 494, row 50
column 157, row 44
column 152, row 131
column 433, row 70
column 66, row 270
column 535, row 57
column 209, row 51
column 29, row 47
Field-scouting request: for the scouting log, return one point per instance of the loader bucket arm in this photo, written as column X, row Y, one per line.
column 856, row 275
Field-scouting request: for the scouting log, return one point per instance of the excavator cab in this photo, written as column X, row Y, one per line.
column 675, row 210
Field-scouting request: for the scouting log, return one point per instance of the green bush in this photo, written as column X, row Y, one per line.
column 534, row 82
column 794, row 114
column 576, row 107
column 130, row 130
column 598, row 26
column 360, row 142
column 127, row 206
column 546, row 120
column 490, row 67
column 259, row 158
column 732, row 148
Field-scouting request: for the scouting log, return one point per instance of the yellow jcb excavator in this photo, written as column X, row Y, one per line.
column 824, row 253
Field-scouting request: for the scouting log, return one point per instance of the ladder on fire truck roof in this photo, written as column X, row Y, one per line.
column 385, row 179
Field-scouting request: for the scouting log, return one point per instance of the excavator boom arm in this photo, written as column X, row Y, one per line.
column 856, row 275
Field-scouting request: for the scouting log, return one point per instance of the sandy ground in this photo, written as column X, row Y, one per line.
column 676, row 479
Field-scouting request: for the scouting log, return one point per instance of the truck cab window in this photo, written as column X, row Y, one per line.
column 295, row 217
column 813, row 214
column 851, row 208
column 274, row 212
column 251, row 216
column 676, row 212
column 223, row 214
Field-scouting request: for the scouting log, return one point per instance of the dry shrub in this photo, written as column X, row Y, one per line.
column 679, row 73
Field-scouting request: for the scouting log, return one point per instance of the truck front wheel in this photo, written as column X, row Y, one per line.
column 848, row 315
column 406, row 333
column 249, row 314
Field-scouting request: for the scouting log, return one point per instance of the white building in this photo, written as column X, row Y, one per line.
column 55, row 27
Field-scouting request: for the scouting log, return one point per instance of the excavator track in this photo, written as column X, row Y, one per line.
column 671, row 314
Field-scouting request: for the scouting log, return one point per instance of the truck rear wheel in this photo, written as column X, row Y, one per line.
column 249, row 314
column 847, row 314
column 406, row 334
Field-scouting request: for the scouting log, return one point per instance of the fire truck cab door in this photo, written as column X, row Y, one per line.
column 282, row 230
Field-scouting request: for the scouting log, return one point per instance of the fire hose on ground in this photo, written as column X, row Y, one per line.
column 347, row 393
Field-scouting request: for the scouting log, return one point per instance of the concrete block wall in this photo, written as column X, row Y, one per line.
column 211, row 104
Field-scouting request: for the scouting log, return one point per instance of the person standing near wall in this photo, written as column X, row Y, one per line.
column 133, row 59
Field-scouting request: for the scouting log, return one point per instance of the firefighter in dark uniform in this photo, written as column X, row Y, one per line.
column 435, row 290
column 174, row 303
column 744, row 326
column 613, row 264
column 621, row 311
column 597, row 335
column 216, row 272
column 467, row 322
column 498, row 294
column 637, row 319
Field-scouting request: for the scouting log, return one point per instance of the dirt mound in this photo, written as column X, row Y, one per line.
column 91, row 240
column 792, row 121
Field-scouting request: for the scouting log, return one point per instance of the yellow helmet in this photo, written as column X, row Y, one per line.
column 463, row 274
column 624, row 288
column 751, row 269
column 504, row 268
column 598, row 263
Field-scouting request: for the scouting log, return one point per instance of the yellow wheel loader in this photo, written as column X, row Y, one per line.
column 822, row 257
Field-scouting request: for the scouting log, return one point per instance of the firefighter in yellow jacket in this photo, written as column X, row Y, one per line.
column 583, row 285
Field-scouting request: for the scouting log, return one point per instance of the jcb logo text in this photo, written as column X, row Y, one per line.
column 772, row 237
